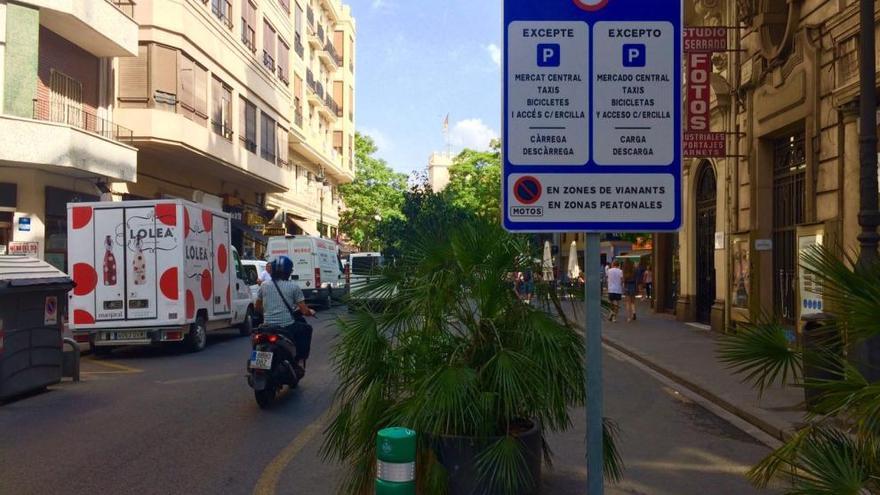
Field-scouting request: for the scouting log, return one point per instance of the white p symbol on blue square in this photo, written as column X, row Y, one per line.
column 634, row 55
column 548, row 55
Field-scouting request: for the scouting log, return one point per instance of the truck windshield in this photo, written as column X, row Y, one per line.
column 365, row 265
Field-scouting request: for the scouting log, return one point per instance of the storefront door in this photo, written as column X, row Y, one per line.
column 705, row 239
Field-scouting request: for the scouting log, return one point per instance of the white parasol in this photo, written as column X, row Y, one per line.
column 547, row 264
column 574, row 269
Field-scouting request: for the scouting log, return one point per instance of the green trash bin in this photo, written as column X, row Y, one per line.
column 396, row 464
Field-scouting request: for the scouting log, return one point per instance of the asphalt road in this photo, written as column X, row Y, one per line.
column 157, row 421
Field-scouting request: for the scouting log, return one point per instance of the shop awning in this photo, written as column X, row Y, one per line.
column 307, row 227
column 248, row 231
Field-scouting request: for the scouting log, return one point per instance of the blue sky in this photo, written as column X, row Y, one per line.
column 419, row 60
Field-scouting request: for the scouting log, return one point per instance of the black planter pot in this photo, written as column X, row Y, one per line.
column 459, row 456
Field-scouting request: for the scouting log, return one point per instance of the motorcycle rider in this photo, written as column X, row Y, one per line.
column 283, row 305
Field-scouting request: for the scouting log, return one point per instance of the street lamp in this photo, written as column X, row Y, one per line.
column 322, row 179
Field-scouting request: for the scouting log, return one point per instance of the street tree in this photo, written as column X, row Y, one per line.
column 376, row 195
column 475, row 181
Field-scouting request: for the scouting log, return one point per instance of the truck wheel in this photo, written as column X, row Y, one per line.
column 197, row 337
column 247, row 326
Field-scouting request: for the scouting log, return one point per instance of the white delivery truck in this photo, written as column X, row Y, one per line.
column 316, row 266
column 153, row 271
column 364, row 268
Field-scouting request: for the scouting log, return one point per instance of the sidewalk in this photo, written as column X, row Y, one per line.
column 686, row 355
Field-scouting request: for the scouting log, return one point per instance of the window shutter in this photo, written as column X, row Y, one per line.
column 163, row 69
column 216, row 101
column 339, row 43
column 200, row 91
column 242, row 121
column 297, row 86
column 337, row 140
column 268, row 39
column 133, row 76
column 282, row 144
column 338, row 91
column 186, row 83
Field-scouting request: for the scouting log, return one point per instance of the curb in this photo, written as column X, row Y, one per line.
column 766, row 427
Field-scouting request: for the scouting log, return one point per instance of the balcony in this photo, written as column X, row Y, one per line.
column 81, row 119
column 102, row 28
column 326, row 110
column 328, row 57
column 315, row 43
column 222, row 9
column 80, row 142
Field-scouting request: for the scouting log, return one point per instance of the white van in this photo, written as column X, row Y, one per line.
column 316, row 266
column 154, row 271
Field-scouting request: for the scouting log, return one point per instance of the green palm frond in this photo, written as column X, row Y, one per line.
column 503, row 468
column 854, row 294
column 613, row 461
column 762, row 353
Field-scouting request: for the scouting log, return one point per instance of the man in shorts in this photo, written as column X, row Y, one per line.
column 615, row 288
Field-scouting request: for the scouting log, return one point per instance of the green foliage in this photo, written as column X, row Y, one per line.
column 376, row 191
column 475, row 182
column 838, row 451
column 455, row 353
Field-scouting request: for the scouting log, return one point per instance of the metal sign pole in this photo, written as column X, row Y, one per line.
column 593, row 342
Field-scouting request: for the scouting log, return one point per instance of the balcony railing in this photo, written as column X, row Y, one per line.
column 319, row 89
column 248, row 36
column 310, row 16
column 222, row 128
column 282, row 74
column 126, row 6
column 329, row 48
column 81, row 119
column 223, row 10
column 310, row 79
column 298, row 46
column 298, row 118
column 320, row 32
column 332, row 105
column 268, row 61
column 285, row 4
column 249, row 144
column 268, row 155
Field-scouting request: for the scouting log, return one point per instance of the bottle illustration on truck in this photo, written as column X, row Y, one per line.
column 109, row 263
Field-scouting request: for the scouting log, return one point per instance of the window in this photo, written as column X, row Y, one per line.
column 283, row 61
column 248, row 125
column 282, row 146
column 298, row 25
column 163, row 77
column 223, row 10
column 268, row 46
column 221, row 108
column 267, row 137
column 192, row 89
column 65, row 99
column 297, row 100
column 249, row 25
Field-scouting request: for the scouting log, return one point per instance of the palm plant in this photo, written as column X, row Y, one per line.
column 838, row 451
column 455, row 353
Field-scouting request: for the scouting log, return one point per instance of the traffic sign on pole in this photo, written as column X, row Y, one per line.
column 592, row 115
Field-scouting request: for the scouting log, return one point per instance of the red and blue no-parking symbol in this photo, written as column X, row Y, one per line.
column 527, row 190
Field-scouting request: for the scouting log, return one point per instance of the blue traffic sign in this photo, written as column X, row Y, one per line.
column 592, row 115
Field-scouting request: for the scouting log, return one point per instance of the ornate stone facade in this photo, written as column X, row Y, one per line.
column 787, row 96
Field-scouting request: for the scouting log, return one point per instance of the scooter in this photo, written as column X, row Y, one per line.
column 271, row 365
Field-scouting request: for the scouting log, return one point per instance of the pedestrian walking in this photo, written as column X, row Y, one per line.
column 648, row 280
column 630, row 286
column 615, row 288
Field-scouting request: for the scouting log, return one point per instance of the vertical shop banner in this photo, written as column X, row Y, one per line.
column 698, row 140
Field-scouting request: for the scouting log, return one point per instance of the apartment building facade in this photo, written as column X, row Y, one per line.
column 59, row 141
column 211, row 99
column 787, row 97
